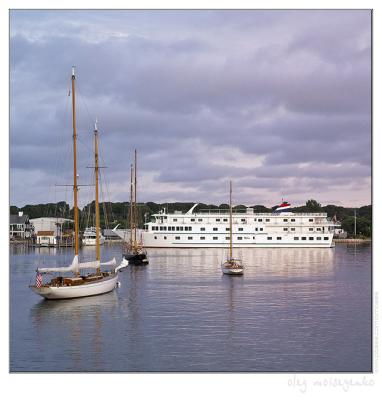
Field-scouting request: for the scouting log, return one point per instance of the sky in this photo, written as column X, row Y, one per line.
column 277, row 101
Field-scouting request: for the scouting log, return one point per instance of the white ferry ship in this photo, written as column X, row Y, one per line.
column 210, row 228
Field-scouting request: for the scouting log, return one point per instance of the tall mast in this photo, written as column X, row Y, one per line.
column 135, row 199
column 230, row 220
column 131, row 206
column 75, row 187
column 96, row 171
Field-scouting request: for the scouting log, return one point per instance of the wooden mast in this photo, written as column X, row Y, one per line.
column 131, row 207
column 96, row 171
column 135, row 200
column 230, row 220
column 75, row 187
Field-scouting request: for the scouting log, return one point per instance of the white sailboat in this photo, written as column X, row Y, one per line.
column 74, row 284
column 232, row 266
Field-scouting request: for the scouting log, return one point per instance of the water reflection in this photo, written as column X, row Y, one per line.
column 80, row 322
column 180, row 313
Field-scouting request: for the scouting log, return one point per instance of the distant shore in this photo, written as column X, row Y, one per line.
column 352, row 240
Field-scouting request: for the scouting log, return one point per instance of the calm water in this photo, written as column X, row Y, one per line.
column 293, row 310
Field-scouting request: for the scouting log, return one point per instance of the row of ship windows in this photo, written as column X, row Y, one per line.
column 241, row 238
column 243, row 219
column 189, row 228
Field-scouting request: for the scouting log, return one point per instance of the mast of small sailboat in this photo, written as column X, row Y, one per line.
column 75, row 187
column 131, row 207
column 135, row 199
column 230, row 220
column 96, row 172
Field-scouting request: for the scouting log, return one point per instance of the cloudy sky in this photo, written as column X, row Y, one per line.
column 277, row 101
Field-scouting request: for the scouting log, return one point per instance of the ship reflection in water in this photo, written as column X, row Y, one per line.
column 294, row 310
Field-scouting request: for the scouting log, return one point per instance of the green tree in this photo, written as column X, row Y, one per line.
column 313, row 206
column 363, row 226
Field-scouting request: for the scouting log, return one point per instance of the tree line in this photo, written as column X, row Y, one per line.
column 112, row 214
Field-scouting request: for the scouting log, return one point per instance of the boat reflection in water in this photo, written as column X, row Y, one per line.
column 84, row 325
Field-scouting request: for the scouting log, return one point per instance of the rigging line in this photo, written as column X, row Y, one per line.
column 81, row 99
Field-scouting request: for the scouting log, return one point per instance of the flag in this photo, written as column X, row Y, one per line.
column 38, row 279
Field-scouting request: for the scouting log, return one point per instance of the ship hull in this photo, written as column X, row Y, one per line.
column 70, row 292
column 260, row 241
column 136, row 259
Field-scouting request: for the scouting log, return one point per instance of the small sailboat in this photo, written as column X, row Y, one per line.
column 231, row 266
column 75, row 284
column 135, row 253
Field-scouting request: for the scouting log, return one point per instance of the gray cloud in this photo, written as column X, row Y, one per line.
column 278, row 101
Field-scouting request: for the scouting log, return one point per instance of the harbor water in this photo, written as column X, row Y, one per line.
column 292, row 310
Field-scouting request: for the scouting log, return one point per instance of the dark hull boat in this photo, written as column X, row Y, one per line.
column 136, row 258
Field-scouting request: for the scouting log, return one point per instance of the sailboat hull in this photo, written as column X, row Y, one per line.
column 232, row 268
column 136, row 259
column 70, row 292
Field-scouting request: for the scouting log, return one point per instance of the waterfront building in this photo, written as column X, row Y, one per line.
column 49, row 231
column 20, row 226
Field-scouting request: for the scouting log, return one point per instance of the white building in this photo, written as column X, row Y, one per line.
column 48, row 230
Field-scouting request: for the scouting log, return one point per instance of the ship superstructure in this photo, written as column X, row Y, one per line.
column 210, row 228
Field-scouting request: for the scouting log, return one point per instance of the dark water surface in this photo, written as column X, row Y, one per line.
column 293, row 310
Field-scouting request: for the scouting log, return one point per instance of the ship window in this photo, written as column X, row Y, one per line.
column 269, row 238
column 202, row 238
column 165, row 237
column 310, row 219
column 292, row 220
column 295, row 238
column 177, row 228
column 240, row 229
column 278, row 237
column 318, row 238
column 190, row 228
column 227, row 229
column 215, row 238
column 155, row 237
column 261, row 229
column 202, row 229
column 227, row 238
column 292, row 229
column 161, row 228
column 326, row 238
column 175, row 220
column 260, row 220
column 310, row 229
column 267, row 220
column 256, row 229
column 255, row 219
column 311, row 237
column 285, row 220
column 217, row 219
column 225, row 220
column 303, row 238
column 242, row 220
column 215, row 229
column 153, row 228
column 189, row 238
column 177, row 237
column 285, row 229
column 181, row 228
column 200, row 220
column 318, row 229
column 239, row 238
column 192, row 219
column 254, row 237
